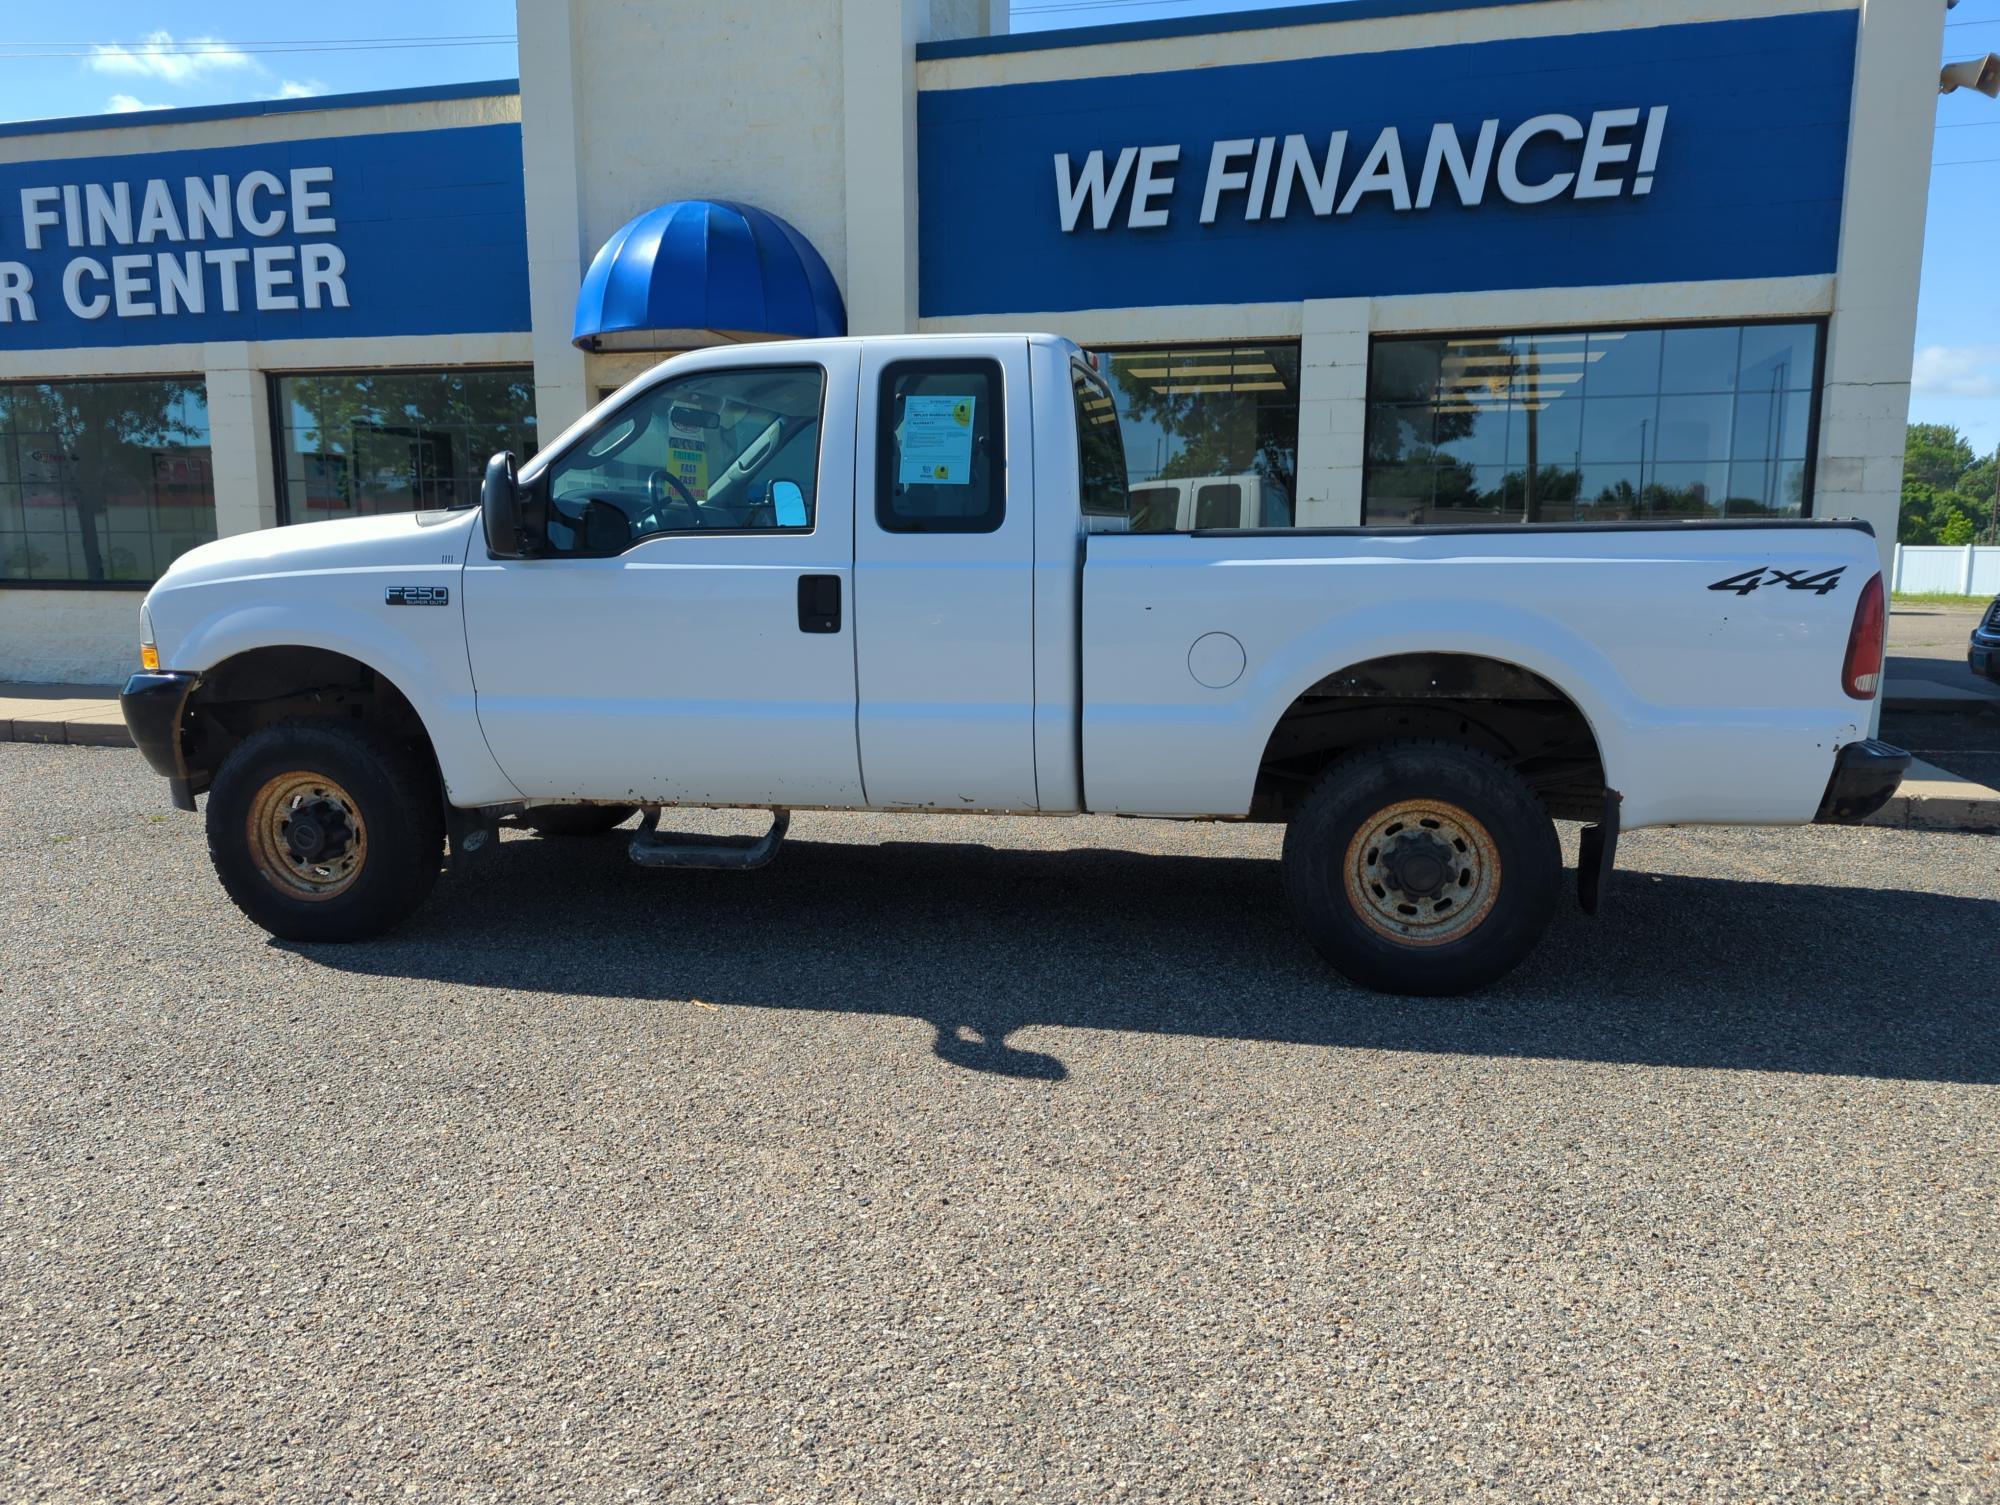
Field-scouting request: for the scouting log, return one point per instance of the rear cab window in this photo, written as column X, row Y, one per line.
column 941, row 447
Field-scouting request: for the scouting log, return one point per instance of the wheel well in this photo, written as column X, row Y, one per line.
column 1499, row 708
column 244, row 694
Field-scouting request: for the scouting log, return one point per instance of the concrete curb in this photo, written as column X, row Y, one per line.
column 1933, row 799
column 79, row 721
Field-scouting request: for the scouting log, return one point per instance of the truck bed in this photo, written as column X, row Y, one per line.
column 1676, row 640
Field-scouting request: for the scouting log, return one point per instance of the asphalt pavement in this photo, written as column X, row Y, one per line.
column 962, row 1159
column 1928, row 642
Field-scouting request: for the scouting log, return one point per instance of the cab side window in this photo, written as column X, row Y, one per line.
column 732, row 451
column 941, row 462
column 1100, row 451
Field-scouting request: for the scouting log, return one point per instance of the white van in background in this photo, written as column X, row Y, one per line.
column 1182, row 504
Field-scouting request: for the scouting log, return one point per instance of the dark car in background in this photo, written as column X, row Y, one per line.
column 1982, row 655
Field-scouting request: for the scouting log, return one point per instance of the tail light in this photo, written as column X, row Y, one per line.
column 1861, row 675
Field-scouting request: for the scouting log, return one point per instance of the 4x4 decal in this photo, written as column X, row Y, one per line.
column 1797, row 580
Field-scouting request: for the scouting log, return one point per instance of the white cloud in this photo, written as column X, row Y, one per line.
column 125, row 104
column 160, row 57
column 294, row 88
column 1957, row 371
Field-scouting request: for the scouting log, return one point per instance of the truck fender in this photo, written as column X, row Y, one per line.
column 443, row 702
column 1575, row 666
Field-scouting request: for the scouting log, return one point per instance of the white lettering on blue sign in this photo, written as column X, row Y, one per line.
column 89, row 217
column 1255, row 178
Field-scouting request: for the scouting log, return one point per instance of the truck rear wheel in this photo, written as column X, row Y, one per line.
column 321, row 831
column 1422, row 867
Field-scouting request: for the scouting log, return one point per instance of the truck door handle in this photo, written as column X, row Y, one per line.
column 819, row 603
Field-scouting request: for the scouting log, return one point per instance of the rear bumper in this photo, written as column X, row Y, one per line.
column 1865, row 775
column 152, row 703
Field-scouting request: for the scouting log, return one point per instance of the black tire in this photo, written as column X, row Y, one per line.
column 1427, row 905
column 383, row 800
column 577, row 820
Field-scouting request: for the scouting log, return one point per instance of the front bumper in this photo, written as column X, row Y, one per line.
column 1982, row 655
column 1865, row 776
column 152, row 702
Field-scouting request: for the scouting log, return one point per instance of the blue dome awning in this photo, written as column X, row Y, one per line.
column 705, row 272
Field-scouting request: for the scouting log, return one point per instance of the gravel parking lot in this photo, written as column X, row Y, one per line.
column 956, row 1159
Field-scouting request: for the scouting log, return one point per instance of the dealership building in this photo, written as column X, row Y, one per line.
column 1370, row 263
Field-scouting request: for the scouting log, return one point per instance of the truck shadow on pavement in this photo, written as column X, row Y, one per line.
column 982, row 942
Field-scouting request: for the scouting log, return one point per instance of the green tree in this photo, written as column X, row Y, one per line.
column 1916, row 523
column 1947, row 489
column 1936, row 454
column 396, row 440
column 1976, row 487
column 95, row 446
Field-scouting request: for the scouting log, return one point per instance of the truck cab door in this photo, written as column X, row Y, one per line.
column 685, row 633
column 944, row 578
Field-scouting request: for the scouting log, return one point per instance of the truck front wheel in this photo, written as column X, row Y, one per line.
column 1422, row 868
column 324, row 831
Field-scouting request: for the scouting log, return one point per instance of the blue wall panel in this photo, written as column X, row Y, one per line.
column 1748, row 182
column 431, row 224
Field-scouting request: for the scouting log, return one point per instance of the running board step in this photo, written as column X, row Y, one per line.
column 654, row 848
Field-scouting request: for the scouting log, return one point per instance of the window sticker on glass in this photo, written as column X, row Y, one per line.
column 937, row 441
column 687, row 450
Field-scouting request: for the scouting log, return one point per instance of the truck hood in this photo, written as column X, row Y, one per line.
column 392, row 538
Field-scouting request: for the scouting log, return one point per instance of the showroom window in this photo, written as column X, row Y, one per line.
column 102, row 482
column 1612, row 425
column 1211, row 433
column 354, row 443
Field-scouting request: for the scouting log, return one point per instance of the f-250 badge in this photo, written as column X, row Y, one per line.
column 417, row 595
column 1795, row 580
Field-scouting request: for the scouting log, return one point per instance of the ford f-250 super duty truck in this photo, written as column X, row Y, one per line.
column 898, row 574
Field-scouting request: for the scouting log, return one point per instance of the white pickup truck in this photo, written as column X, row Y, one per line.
column 862, row 575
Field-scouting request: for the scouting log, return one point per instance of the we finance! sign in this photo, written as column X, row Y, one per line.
column 417, row 232
column 1261, row 178
column 1656, row 154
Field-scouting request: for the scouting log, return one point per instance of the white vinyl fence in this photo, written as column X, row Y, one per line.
column 1971, row 571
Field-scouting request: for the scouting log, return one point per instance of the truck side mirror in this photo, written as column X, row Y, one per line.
column 500, row 509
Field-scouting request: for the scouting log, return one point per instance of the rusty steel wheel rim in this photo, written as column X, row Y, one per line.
column 1422, row 873
column 307, row 835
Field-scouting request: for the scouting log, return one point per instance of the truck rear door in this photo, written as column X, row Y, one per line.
column 944, row 553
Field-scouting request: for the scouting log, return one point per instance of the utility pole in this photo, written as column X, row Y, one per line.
column 1995, row 530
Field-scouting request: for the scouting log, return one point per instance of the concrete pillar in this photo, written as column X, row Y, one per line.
column 1865, row 403
column 551, row 181
column 878, row 39
column 239, row 439
column 1333, row 407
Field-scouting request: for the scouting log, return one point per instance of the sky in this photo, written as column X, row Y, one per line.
column 93, row 56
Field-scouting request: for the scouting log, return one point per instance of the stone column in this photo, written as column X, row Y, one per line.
column 239, row 437
column 1865, row 404
column 1333, row 403
column 551, row 181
